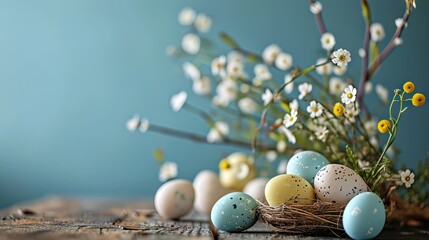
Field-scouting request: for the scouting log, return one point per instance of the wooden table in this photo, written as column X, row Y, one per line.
column 66, row 218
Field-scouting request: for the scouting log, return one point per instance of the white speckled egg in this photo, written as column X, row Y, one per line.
column 174, row 199
column 289, row 188
column 256, row 188
column 364, row 216
column 234, row 212
column 208, row 190
column 338, row 184
column 306, row 164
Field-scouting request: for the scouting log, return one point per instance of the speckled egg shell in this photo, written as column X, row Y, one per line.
column 338, row 184
column 207, row 191
column 289, row 188
column 234, row 212
column 256, row 188
column 364, row 216
column 306, row 164
column 174, row 199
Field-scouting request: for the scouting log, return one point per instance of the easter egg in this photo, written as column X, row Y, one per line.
column 306, row 164
column 236, row 170
column 289, row 188
column 256, row 188
column 234, row 212
column 174, row 199
column 338, row 184
column 207, row 191
column 364, row 216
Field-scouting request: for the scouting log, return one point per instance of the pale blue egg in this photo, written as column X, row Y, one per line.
column 234, row 212
column 364, row 216
column 306, row 164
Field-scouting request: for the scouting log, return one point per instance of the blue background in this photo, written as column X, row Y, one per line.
column 73, row 72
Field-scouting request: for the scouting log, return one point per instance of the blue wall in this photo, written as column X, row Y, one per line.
column 73, row 72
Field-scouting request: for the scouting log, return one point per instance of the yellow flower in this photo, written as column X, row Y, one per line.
column 338, row 109
column 383, row 126
column 418, row 99
column 408, row 87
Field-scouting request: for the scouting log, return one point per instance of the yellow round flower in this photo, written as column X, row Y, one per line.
column 338, row 109
column 418, row 99
column 383, row 126
column 408, row 87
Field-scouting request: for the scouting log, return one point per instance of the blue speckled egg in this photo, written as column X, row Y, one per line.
column 234, row 212
column 306, row 164
column 364, row 216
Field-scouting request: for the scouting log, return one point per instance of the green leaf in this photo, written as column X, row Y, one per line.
column 158, row 154
column 374, row 50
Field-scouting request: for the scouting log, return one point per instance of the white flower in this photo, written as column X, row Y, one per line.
column 247, row 105
column 349, row 95
column 261, row 72
column 177, row 101
column 289, row 86
column 328, row 41
column 362, row 52
column 144, row 125
column 283, row 61
column 304, row 89
column 227, row 90
column 377, row 32
column 270, row 53
column 235, row 69
column 407, row 177
column 288, row 133
column 218, row 66
column 220, row 101
column 203, row 22
column 290, row 119
column 315, row 109
column 267, row 97
column 281, row 146
column 382, row 93
column 351, row 111
column 294, row 105
column 368, row 87
column 234, row 56
column 191, row 71
column 218, row 132
column 271, row 155
column 370, row 126
column 398, row 41
column 341, row 57
column 325, row 69
column 202, row 86
column 187, row 16
column 167, row 171
column 321, row 133
column 336, row 86
column 281, row 169
column 133, row 123
column 339, row 71
column 363, row 164
column 399, row 22
column 244, row 88
column 374, row 141
column 316, row 7
column 191, row 43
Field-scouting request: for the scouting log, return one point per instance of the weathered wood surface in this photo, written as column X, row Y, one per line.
column 61, row 218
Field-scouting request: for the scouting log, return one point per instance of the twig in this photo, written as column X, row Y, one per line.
column 319, row 20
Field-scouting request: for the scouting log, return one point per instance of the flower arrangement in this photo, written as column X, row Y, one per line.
column 252, row 109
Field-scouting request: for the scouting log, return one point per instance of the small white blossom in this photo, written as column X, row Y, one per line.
column 167, row 171
column 368, row 87
column 341, row 57
column 304, row 89
column 187, row 16
column 234, row 56
column 267, row 97
column 289, row 86
column 325, row 69
column 382, row 93
column 315, row 109
column 336, row 86
column 281, row 169
column 218, row 66
column 294, row 105
column 220, row 101
column 328, row 41
column 235, row 69
column 227, row 90
column 407, row 177
column 288, row 133
column 362, row 52
column 370, row 126
column 247, row 105
column 316, row 7
column 270, row 53
column 349, row 95
column 133, row 123
column 203, row 22
column 281, row 146
column 398, row 41
column 321, row 133
column 339, row 71
column 271, row 155
column 290, row 119
column 257, row 82
column 178, row 101
column 261, row 72
column 350, row 112
column 399, row 22
column 374, row 141
column 144, row 125
column 283, row 61
column 191, row 43
column 377, row 32
column 218, row 132
column 191, row 71
column 244, row 88
column 202, row 86
column 364, row 164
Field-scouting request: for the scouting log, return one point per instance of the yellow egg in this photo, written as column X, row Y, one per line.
column 289, row 188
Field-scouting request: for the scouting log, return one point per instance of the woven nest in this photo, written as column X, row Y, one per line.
column 303, row 219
